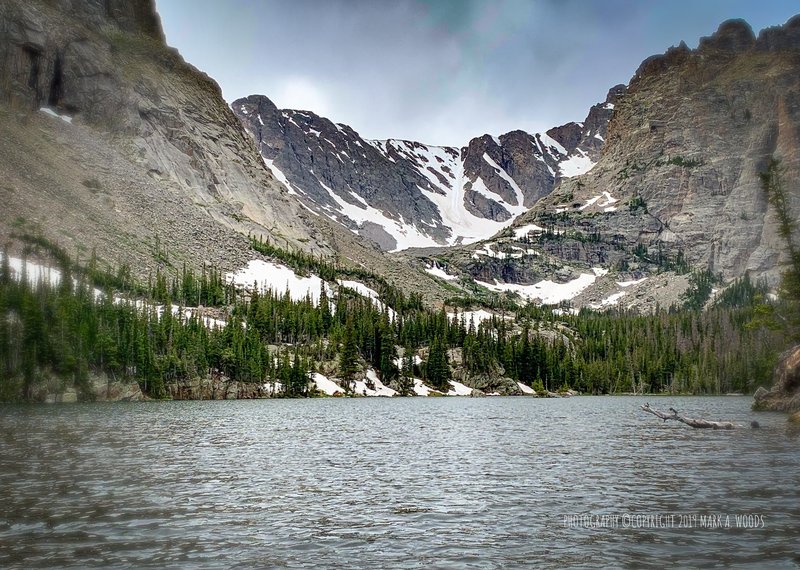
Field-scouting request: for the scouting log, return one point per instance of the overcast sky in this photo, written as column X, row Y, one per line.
column 440, row 71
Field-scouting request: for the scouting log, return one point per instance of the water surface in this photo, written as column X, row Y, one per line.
column 398, row 483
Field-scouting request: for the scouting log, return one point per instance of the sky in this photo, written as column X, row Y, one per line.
column 441, row 71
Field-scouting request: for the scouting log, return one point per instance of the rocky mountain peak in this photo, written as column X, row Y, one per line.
column 780, row 38
column 403, row 193
column 131, row 16
column 258, row 104
column 732, row 36
column 678, row 180
column 619, row 91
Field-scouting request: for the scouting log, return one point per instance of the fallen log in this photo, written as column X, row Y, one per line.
column 694, row 422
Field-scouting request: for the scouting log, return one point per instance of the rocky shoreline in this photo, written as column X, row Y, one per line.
column 101, row 388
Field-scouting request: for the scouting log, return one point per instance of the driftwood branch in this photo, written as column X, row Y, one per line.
column 695, row 423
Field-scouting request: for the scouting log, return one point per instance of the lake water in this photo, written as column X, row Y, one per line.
column 396, row 483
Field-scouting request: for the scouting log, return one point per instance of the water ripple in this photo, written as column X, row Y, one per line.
column 410, row 483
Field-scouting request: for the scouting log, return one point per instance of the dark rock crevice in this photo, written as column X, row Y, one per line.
column 56, row 91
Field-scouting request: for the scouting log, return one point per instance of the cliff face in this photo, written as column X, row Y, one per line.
column 685, row 148
column 784, row 396
column 105, row 66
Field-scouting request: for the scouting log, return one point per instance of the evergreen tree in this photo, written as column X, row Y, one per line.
column 773, row 185
column 437, row 369
column 348, row 356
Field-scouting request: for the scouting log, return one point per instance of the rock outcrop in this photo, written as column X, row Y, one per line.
column 784, row 396
column 217, row 388
column 49, row 388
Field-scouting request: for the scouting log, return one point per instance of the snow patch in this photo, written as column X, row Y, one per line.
column 575, row 166
column 279, row 175
column 269, row 276
column 437, row 271
column 52, row 113
column 609, row 301
column 523, row 231
column 547, row 141
column 589, row 202
column 475, row 317
column 459, row 389
column 325, row 385
column 505, row 176
column 381, row 390
column 548, row 292
column 421, row 389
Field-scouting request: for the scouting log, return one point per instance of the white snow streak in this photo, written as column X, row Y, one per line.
column 49, row 111
column 549, row 292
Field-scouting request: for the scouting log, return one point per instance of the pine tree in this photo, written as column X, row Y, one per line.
column 772, row 183
column 437, row 369
column 324, row 309
column 348, row 356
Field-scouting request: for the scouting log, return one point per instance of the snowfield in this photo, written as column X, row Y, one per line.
column 269, row 276
column 548, row 292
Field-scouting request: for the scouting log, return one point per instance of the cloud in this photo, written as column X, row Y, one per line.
column 440, row 71
column 297, row 92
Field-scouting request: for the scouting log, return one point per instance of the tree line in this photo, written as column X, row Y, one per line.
column 68, row 330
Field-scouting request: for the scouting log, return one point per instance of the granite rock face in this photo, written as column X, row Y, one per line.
column 678, row 176
column 217, row 388
column 106, row 65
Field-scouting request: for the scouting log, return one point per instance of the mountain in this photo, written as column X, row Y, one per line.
column 113, row 143
column 146, row 149
column 676, row 188
column 684, row 153
column 117, row 150
column 406, row 194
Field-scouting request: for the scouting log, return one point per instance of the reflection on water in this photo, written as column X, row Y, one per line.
column 444, row 482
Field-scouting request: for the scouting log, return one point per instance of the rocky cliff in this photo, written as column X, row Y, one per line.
column 784, row 396
column 679, row 174
column 404, row 194
column 145, row 144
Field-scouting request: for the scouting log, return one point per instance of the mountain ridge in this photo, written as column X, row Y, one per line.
column 412, row 194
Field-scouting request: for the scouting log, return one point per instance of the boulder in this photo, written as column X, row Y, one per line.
column 784, row 396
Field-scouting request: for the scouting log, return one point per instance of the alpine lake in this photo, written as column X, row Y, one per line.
column 397, row 483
